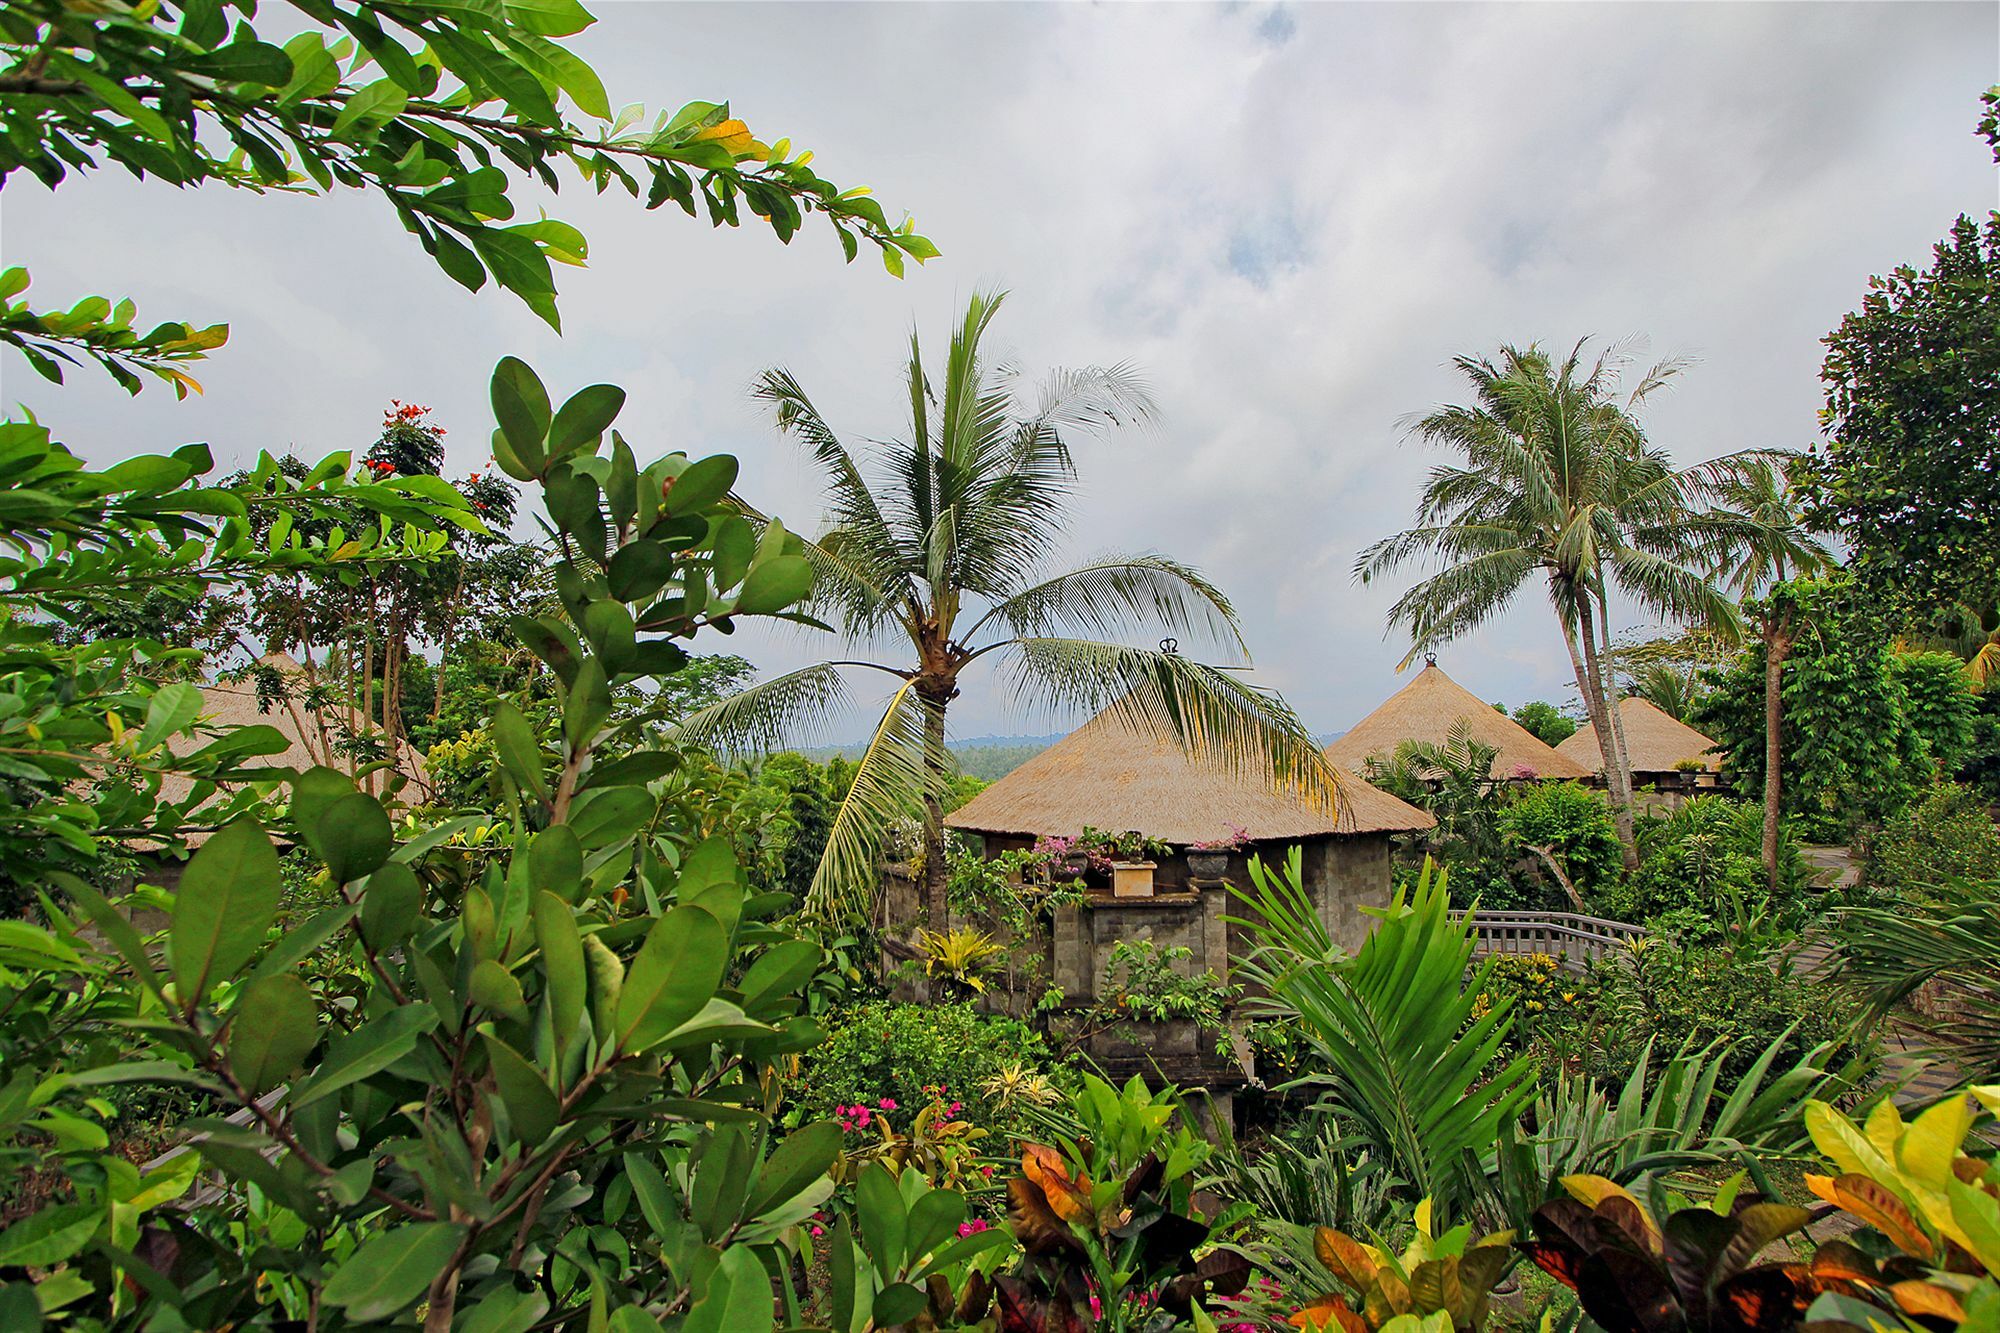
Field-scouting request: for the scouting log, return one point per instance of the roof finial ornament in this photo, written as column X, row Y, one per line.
column 1170, row 646
column 1430, row 659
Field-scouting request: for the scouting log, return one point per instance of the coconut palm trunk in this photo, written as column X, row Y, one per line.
column 934, row 698
column 1617, row 778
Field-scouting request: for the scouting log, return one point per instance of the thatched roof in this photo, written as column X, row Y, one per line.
column 231, row 704
column 1655, row 741
column 1107, row 776
column 1427, row 708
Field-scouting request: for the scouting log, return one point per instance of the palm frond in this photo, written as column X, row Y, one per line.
column 1410, row 1064
column 890, row 780
column 763, row 716
column 1955, row 939
column 1110, row 596
column 1215, row 718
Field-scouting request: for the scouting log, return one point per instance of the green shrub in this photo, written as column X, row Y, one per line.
column 1574, row 825
column 898, row 1051
column 1680, row 994
column 1946, row 835
column 1706, row 858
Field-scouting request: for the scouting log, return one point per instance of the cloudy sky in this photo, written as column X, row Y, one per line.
column 1291, row 217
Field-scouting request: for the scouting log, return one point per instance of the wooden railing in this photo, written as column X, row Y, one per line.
column 1571, row 938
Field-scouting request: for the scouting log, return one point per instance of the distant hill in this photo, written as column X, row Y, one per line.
column 987, row 758
column 983, row 757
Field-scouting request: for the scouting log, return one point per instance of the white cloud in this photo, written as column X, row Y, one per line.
column 1291, row 218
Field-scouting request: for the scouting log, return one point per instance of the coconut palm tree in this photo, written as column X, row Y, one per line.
column 936, row 544
column 1771, row 548
column 1559, row 484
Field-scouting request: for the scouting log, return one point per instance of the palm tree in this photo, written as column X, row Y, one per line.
column 1772, row 548
column 1558, row 481
column 939, row 548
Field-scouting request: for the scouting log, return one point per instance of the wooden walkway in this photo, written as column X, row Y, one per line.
column 1571, row 938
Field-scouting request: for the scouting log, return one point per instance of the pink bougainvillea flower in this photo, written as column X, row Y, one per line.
column 887, row 1104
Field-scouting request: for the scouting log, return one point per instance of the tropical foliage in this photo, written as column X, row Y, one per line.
column 427, row 108
column 1403, row 1059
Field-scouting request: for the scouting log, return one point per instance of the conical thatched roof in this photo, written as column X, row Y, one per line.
column 1655, row 741
column 1107, row 776
column 1426, row 709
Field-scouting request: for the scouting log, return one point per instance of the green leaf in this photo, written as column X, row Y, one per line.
column 633, row 1319
column 805, row 1156
column 555, row 861
column 521, row 406
column 721, row 1182
column 314, row 70
column 633, row 769
column 700, row 486
column 738, row 1298
column 588, row 705
column 377, row 104
column 169, row 712
column 639, row 570
column 494, row 987
column 549, row 18
column 780, row 970
column 774, row 584
column 562, row 965
column 649, row 1187
column 313, row 794
column 389, row 1272
column 274, row 1027
column 674, row 974
column 50, row 1236
column 368, row 1049
column 933, row 1219
column 584, row 418
column 228, row 898
column 607, row 983
column 520, row 753
column 898, row 1303
column 19, row 1307
column 884, row 1223
column 531, row 1104
column 735, row 544
column 353, row 836
column 391, row 905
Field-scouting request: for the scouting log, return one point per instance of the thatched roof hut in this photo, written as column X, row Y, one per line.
column 1426, row 710
column 231, row 704
column 1109, row 777
column 1656, row 742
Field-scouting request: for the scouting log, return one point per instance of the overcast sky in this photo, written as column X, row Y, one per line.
column 1291, row 217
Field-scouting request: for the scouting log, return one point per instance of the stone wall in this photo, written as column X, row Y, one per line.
column 1343, row 875
column 1346, row 875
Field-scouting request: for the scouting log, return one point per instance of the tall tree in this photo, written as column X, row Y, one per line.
column 1773, row 548
column 1559, row 484
column 938, row 544
column 1911, row 462
column 1849, row 748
